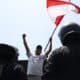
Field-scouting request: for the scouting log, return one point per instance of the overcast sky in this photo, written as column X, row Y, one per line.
column 30, row 17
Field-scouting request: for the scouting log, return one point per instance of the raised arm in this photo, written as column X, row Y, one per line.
column 50, row 47
column 28, row 53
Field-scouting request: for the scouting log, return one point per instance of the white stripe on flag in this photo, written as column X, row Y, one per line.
column 58, row 10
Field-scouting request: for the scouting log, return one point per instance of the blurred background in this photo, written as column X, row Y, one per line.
column 30, row 17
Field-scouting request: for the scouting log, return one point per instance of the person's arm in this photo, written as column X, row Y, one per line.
column 50, row 48
column 26, row 45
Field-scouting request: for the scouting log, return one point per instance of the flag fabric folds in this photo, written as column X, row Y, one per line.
column 57, row 9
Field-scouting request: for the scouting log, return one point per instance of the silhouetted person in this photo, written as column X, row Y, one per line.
column 9, row 69
column 35, row 62
column 64, row 63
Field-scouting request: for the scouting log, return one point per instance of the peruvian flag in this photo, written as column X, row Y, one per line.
column 57, row 9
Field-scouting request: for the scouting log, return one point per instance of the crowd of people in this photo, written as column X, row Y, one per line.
column 62, row 64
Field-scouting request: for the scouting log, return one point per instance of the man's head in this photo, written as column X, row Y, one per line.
column 70, row 34
column 38, row 50
column 8, row 53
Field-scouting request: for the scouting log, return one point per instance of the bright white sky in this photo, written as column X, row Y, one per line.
column 30, row 17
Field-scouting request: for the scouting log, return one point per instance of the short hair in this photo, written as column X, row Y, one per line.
column 68, row 30
column 8, row 52
column 39, row 47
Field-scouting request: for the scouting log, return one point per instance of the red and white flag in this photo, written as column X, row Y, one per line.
column 57, row 9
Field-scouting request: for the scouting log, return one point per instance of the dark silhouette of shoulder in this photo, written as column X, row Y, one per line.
column 9, row 68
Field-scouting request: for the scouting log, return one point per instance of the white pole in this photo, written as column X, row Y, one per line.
column 50, row 37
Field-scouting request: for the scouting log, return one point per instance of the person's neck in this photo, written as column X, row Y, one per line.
column 37, row 54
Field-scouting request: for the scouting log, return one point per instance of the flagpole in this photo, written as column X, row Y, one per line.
column 49, row 38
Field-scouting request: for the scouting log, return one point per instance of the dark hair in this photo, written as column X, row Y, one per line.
column 39, row 47
column 8, row 53
column 68, row 31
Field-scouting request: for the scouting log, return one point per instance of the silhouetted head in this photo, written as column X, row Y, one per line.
column 70, row 34
column 38, row 50
column 8, row 53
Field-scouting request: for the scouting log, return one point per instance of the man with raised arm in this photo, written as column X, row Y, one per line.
column 35, row 63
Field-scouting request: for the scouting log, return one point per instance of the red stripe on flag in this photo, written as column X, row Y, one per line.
column 54, row 3
column 58, row 0
column 58, row 20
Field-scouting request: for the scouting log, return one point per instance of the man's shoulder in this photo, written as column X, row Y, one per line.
column 14, row 67
column 13, row 71
column 29, row 54
column 63, row 49
column 60, row 52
